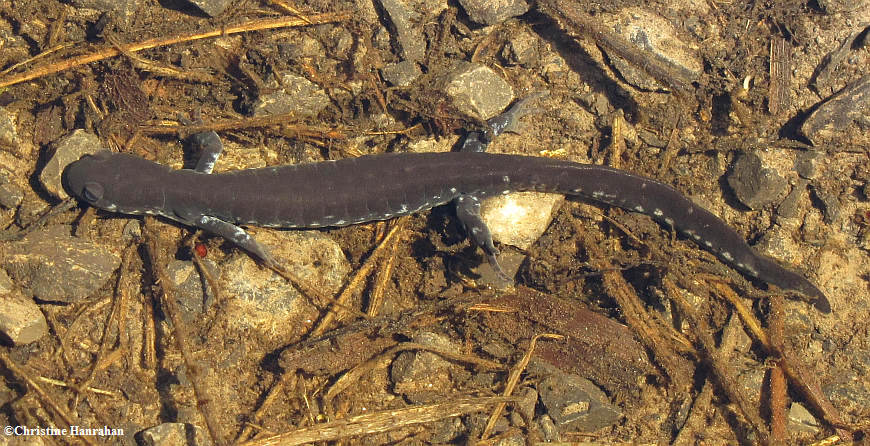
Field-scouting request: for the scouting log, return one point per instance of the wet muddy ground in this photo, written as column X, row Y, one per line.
column 617, row 330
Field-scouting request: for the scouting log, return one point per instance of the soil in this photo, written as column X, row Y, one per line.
column 647, row 299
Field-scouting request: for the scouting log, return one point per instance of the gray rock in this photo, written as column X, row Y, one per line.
column 21, row 320
column 516, row 219
column 303, row 47
column 528, row 401
column 68, row 149
column 401, row 74
column 29, row 212
column 295, row 95
column 521, row 48
column 830, row 202
column 653, row 34
column 121, row 10
column 476, row 90
column 409, row 36
column 789, row 207
column 10, row 194
column 8, row 130
column 477, row 422
column 262, row 300
column 381, row 39
column 805, row 165
column 509, row 261
column 801, row 420
column 174, row 434
column 195, row 295
column 597, row 103
column 749, row 381
column 422, row 376
column 548, row 429
column 754, row 185
column 837, row 113
column 519, row 218
column 447, row 430
column 51, row 265
column 850, row 390
column 6, row 284
column 575, row 403
column 212, row 8
column 339, row 41
column 490, row 12
column 132, row 230
column 498, row 349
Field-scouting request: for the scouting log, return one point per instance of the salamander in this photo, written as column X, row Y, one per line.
column 384, row 186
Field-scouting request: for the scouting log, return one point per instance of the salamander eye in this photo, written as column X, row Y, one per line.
column 92, row 192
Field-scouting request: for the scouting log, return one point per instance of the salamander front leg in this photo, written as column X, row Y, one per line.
column 236, row 235
column 207, row 144
column 468, row 212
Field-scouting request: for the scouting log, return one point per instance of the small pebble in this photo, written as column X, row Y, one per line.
column 52, row 265
column 753, row 184
column 21, row 320
column 476, row 90
column 173, row 434
column 10, row 194
column 68, row 149
column 422, row 376
column 490, row 12
column 295, row 94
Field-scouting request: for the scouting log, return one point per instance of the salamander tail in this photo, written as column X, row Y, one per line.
column 772, row 272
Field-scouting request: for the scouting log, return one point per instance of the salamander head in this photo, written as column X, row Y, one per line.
column 116, row 182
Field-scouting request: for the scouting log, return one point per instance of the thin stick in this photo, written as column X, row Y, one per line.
column 512, row 381
column 44, row 397
column 803, row 381
column 325, row 323
column 170, row 306
column 59, row 383
column 381, row 421
column 383, row 276
column 287, row 380
column 384, row 359
column 721, row 370
column 777, row 380
column 285, row 120
column 255, row 25
column 114, row 315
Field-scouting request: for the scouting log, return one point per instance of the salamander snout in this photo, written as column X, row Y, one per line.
column 82, row 178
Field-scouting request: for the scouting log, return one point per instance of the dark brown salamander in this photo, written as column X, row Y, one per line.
column 380, row 187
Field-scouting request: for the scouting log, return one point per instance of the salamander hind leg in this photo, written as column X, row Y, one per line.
column 468, row 212
column 468, row 205
column 236, row 235
column 509, row 120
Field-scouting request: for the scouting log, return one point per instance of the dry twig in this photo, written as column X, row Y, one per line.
column 254, row 25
